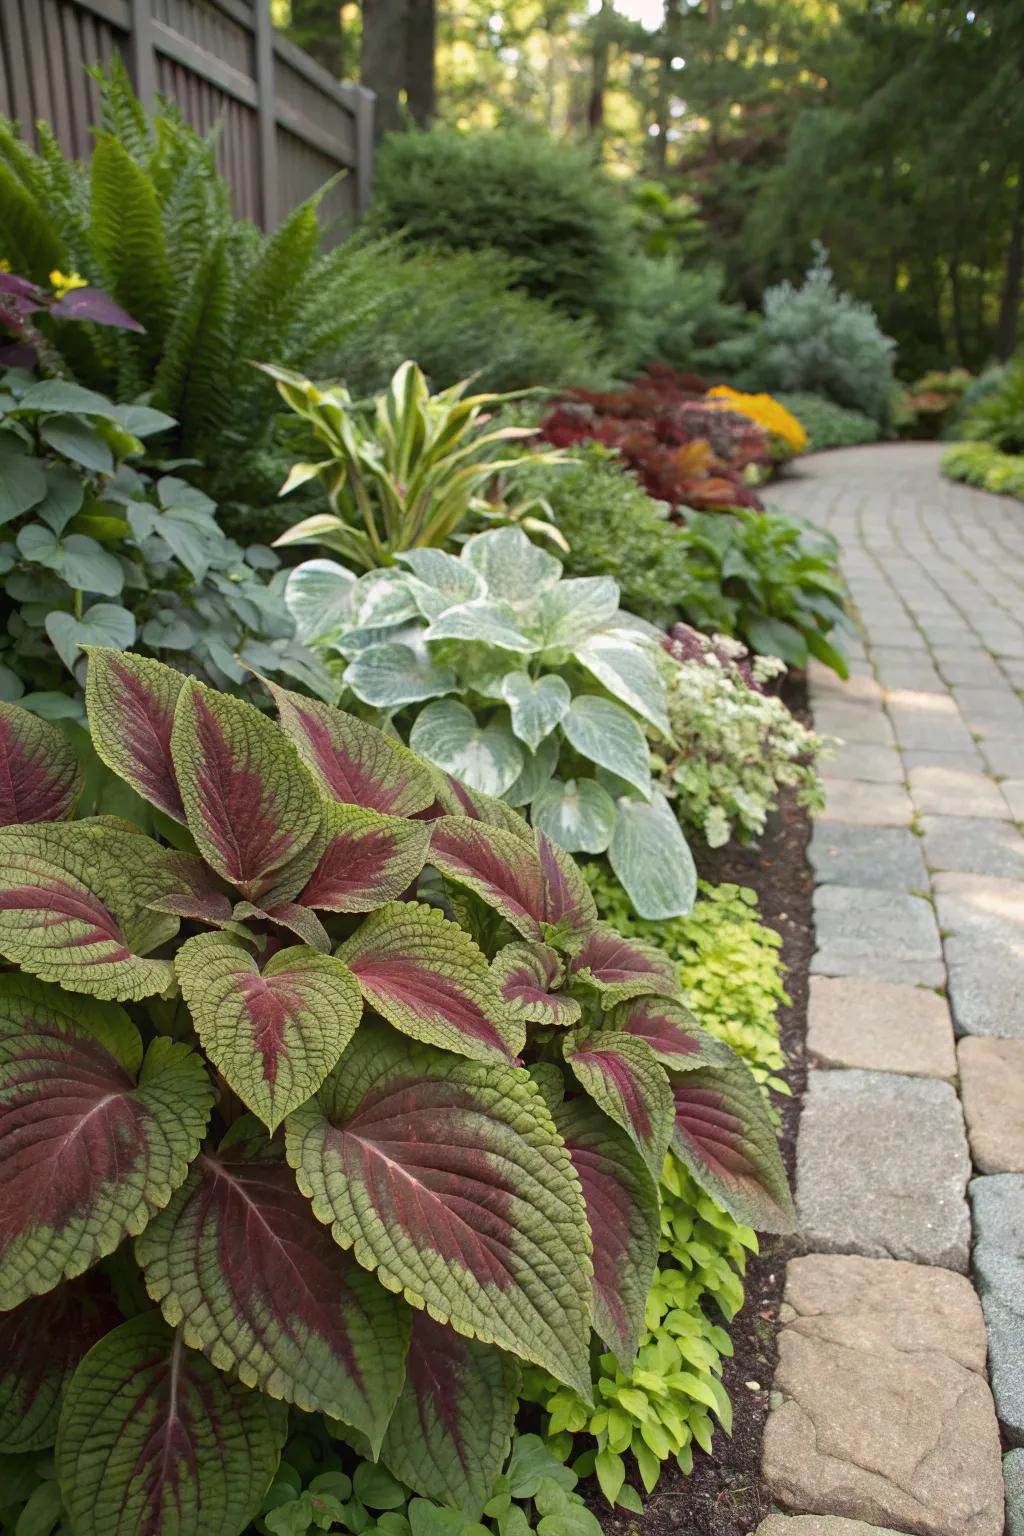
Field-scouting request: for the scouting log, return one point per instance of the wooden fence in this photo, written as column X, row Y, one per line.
column 286, row 125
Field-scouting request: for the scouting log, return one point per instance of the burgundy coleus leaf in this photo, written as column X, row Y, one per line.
column 155, row 1440
column 504, row 871
column 40, row 776
column 297, row 920
column 427, row 977
column 452, row 1426
column 241, row 1264
column 95, row 305
column 527, row 976
column 76, row 906
column 448, row 1178
column 625, row 1079
column 195, row 893
column 41, row 1343
column 93, row 1138
column 723, row 1134
column 250, row 804
column 671, row 1031
column 624, row 1214
column 354, row 762
column 131, row 701
column 273, row 1033
column 569, row 907
column 456, row 799
column 621, row 968
column 366, row 859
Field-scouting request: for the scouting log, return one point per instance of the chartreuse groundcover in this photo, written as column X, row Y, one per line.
column 334, row 1093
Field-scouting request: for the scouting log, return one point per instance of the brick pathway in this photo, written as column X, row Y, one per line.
column 907, row 1314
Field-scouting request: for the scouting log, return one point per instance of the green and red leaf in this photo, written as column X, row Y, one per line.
column 625, row 1079
column 41, row 1343
column 76, row 906
column 250, row 804
column 91, row 1144
column 367, row 859
column 569, row 906
column 273, row 1033
column 425, row 975
column 40, row 776
column 504, row 871
column 155, row 1441
column 448, row 1178
column 452, row 1427
column 724, row 1136
column 672, row 1033
column 527, row 975
column 240, row 1263
column 621, row 968
column 456, row 799
column 295, row 919
column 131, row 700
column 352, row 761
column 624, row 1214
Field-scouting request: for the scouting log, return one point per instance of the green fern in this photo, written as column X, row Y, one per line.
column 122, row 115
column 127, row 237
column 28, row 240
column 189, row 379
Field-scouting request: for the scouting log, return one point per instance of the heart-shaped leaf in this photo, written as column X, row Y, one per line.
column 621, row 968
column 92, row 1142
column 497, row 865
column 75, row 439
column 441, row 581
column 104, row 624
column 535, row 773
column 131, row 701
column 537, row 707
column 22, row 481
column 394, row 674
column 367, row 859
column 562, row 617
column 605, row 733
column 514, row 569
column 624, row 1078
column 153, row 1438
column 483, row 623
column 274, row 1034
column 40, row 777
column 724, row 1136
column 526, row 975
column 241, row 1264
column 652, row 858
column 486, row 757
column 629, row 671
column 33, row 1380
column 427, row 977
column 318, row 595
column 452, row 1426
column 449, row 1179
column 579, row 815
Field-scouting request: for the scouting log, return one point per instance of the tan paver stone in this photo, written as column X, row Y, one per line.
column 866, row 804
column 818, row 1525
column 882, row 1026
column 885, row 1415
column 992, row 1093
column 957, row 792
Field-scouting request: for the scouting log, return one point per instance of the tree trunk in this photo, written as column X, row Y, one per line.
column 315, row 25
column 1009, row 309
column 599, row 58
column 663, row 102
column 420, row 48
column 382, row 62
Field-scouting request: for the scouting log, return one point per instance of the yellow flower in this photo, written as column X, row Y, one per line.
column 776, row 420
column 5, row 265
column 62, row 285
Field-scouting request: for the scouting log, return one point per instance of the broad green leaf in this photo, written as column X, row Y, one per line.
column 562, row 616
column 452, row 1427
column 104, row 624
column 514, row 569
column 774, row 637
column 240, row 1263
column 579, row 815
column 482, row 623
column 621, row 1198
column 76, row 440
column 366, row 859
column 40, row 777
column 725, row 1137
column 393, row 674
column 131, row 701
column 22, row 481
column 605, row 733
column 527, row 976
column 54, row 396
column 425, row 976
column 273, row 1033
column 629, row 671
column 495, row 864
column 621, row 968
column 41, row 1343
column 441, row 582
column 652, row 858
column 486, row 757
column 75, row 906
column 92, row 1142
column 447, row 1177
column 352, row 761
column 318, row 595
column 537, row 707
column 536, row 771
column 624, row 1078
column 154, row 1441
column 250, row 803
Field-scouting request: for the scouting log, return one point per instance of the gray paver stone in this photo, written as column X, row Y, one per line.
column 882, row 1168
column 875, row 765
column 992, row 1094
column 879, row 1026
column 818, row 1525
column 876, row 933
column 1005, row 759
column 983, row 919
column 943, row 791
column 974, row 845
column 997, row 1202
column 1013, row 793
column 879, row 858
column 865, row 723
column 866, row 805
column 885, row 1413
column 1013, row 1477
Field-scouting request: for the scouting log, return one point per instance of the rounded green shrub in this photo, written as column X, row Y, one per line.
column 828, row 425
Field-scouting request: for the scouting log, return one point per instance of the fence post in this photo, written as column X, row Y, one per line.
column 360, row 103
column 141, row 53
column 266, row 110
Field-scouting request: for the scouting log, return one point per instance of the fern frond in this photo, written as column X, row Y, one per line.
column 122, row 115
column 66, row 196
column 128, row 239
column 28, row 239
column 189, row 380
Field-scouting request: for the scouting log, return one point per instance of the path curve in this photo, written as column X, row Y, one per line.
column 910, row 1156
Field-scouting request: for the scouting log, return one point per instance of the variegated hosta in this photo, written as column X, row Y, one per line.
column 373, row 1137
column 540, row 690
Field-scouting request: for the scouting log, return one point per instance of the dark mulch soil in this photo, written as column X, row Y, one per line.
column 726, row 1495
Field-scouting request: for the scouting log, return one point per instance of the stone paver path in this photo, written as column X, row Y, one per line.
column 900, row 1382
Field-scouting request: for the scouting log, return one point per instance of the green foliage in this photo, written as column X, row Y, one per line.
column 820, row 340
column 828, row 425
column 734, row 745
column 770, row 580
column 682, row 317
column 97, row 549
column 998, row 418
column 541, row 201
column 985, row 466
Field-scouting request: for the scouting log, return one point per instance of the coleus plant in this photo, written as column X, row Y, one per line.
column 286, row 1119
column 540, row 690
